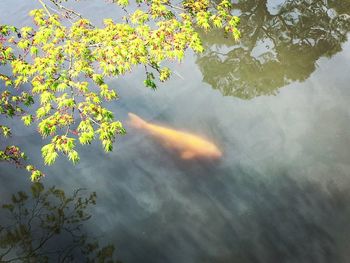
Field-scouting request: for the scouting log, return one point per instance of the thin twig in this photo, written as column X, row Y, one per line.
column 70, row 11
column 45, row 7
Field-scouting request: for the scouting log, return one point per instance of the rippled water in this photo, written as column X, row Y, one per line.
column 277, row 104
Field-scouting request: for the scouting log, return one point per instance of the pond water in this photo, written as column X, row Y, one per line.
column 276, row 103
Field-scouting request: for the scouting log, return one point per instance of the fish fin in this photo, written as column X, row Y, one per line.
column 136, row 122
column 187, row 155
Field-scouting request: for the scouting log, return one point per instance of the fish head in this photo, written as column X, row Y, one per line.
column 213, row 152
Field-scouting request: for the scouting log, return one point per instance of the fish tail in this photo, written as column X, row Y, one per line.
column 136, row 121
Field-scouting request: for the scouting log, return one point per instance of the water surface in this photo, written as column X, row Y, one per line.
column 277, row 104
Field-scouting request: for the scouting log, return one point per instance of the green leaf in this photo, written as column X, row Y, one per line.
column 73, row 156
column 27, row 119
column 49, row 154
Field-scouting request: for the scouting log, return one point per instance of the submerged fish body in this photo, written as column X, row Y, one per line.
column 189, row 146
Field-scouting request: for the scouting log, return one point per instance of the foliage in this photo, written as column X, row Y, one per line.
column 46, row 223
column 66, row 66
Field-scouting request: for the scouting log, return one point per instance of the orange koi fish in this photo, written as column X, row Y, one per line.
column 189, row 146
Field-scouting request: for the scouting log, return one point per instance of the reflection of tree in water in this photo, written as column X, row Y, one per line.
column 276, row 48
column 46, row 226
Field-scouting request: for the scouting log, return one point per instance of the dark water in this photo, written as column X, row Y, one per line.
column 277, row 103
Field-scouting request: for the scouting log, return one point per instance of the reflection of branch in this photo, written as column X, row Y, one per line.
column 254, row 38
column 33, row 214
column 280, row 18
column 269, row 36
column 5, row 253
column 68, row 252
column 29, row 240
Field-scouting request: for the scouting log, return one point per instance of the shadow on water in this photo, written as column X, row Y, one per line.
column 203, row 213
column 278, row 46
column 216, row 214
column 46, row 225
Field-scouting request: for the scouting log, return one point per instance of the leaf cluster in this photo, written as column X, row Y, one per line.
column 67, row 67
